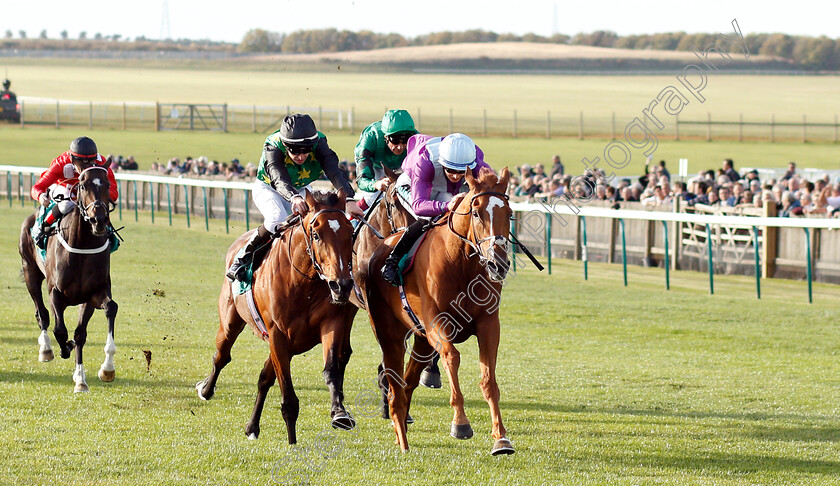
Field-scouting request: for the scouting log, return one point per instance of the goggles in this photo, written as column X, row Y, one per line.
column 298, row 149
column 398, row 138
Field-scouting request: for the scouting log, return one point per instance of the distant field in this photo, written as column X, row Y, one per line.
column 430, row 97
column 757, row 97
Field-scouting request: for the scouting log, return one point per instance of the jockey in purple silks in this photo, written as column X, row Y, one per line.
column 434, row 171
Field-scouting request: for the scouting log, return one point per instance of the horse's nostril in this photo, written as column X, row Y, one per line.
column 334, row 286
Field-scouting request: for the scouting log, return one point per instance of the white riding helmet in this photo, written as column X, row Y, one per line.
column 457, row 152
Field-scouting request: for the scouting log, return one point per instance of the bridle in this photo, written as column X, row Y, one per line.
column 389, row 205
column 95, row 203
column 498, row 240
column 308, row 236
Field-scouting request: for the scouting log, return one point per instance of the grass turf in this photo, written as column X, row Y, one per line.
column 600, row 383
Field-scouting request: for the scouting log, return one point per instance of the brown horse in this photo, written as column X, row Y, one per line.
column 301, row 290
column 388, row 217
column 78, row 272
column 455, row 287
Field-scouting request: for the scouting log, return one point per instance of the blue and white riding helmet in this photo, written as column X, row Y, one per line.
column 457, row 152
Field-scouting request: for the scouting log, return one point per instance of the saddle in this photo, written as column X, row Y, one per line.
column 240, row 287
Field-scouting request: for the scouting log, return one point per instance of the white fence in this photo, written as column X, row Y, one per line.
column 672, row 240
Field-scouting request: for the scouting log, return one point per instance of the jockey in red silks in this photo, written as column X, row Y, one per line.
column 60, row 178
column 434, row 171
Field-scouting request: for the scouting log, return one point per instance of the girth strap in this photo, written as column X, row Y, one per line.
column 418, row 326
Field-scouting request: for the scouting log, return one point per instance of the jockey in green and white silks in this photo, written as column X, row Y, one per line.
column 293, row 157
column 382, row 143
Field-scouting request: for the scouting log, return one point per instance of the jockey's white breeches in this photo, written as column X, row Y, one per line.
column 271, row 204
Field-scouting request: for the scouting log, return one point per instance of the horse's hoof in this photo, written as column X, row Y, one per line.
column 81, row 388
column 430, row 379
column 343, row 421
column 107, row 376
column 252, row 432
column 199, row 388
column 502, row 447
column 462, row 432
column 45, row 356
column 66, row 350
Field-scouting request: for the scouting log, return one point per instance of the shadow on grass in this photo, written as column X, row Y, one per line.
column 65, row 379
column 723, row 463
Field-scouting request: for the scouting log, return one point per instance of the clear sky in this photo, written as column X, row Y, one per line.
column 229, row 21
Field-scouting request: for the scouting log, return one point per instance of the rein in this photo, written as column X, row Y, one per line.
column 476, row 245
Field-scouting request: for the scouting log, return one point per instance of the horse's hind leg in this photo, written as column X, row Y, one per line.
column 266, row 381
column 80, row 337
column 58, row 304
column 461, row 428
column 230, row 326
column 488, row 347
column 336, row 345
column 107, row 371
column 34, row 279
column 421, row 355
column 281, row 359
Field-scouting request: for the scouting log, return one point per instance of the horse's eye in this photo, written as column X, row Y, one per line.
column 316, row 237
column 475, row 213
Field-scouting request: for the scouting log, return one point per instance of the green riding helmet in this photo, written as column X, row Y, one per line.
column 397, row 121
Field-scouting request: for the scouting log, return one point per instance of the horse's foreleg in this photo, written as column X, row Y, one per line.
column 60, row 332
column 34, row 279
column 281, row 359
column 488, row 348
column 461, row 428
column 230, row 326
column 266, row 381
column 107, row 371
column 337, row 351
column 80, row 336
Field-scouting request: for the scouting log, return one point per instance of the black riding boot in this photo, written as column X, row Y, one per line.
column 390, row 271
column 239, row 268
column 43, row 231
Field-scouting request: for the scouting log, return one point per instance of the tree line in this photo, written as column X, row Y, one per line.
column 803, row 52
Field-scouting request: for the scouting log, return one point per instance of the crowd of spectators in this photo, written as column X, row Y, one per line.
column 202, row 167
column 725, row 187
column 792, row 194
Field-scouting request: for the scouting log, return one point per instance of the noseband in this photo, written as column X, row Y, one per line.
column 498, row 240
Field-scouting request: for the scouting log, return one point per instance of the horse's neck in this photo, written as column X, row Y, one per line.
column 456, row 248
column 293, row 256
column 75, row 231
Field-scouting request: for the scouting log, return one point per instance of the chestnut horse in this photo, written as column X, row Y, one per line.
column 301, row 290
column 78, row 272
column 454, row 288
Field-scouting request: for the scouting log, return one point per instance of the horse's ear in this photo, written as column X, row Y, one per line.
column 391, row 175
column 504, row 178
column 471, row 181
column 310, row 200
column 342, row 199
